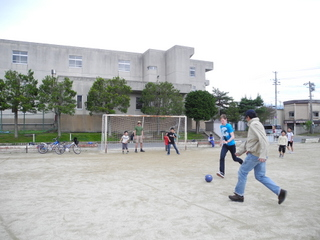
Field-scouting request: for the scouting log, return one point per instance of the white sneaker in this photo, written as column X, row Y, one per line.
column 220, row 174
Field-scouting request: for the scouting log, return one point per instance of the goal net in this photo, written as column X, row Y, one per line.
column 154, row 129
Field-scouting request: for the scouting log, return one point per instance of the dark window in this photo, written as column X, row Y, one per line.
column 138, row 103
column 79, row 101
column 192, row 71
column 291, row 114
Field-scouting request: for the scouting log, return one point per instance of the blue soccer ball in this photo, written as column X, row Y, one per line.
column 208, row 178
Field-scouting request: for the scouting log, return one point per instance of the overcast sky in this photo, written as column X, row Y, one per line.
column 247, row 40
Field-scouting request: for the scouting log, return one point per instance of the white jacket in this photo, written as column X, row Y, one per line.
column 257, row 142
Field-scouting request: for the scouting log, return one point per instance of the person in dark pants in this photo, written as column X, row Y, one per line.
column 228, row 144
column 172, row 137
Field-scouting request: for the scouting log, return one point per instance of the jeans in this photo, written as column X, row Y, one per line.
column 175, row 147
column 252, row 162
column 223, row 153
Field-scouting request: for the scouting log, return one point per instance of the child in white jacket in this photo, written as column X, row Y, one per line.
column 282, row 142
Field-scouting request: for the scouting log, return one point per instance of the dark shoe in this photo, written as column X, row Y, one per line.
column 220, row 174
column 282, row 196
column 141, row 150
column 236, row 198
column 135, row 151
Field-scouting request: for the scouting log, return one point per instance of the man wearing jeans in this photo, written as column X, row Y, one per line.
column 256, row 148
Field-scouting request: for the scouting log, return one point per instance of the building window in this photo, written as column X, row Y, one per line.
column 75, row 61
column 138, row 103
column 124, row 65
column 79, row 102
column 20, row 57
column 315, row 114
column 291, row 114
column 152, row 67
column 192, row 71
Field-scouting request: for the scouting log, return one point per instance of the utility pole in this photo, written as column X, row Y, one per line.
column 311, row 89
column 276, row 83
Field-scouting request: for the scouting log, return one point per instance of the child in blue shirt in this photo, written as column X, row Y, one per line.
column 211, row 140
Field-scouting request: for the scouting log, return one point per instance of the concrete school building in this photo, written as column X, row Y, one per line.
column 297, row 112
column 84, row 65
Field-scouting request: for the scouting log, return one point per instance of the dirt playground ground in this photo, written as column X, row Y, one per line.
column 154, row 196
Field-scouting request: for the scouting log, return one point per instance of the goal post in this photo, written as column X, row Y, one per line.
column 154, row 128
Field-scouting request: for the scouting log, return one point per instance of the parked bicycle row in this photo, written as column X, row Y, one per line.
column 59, row 147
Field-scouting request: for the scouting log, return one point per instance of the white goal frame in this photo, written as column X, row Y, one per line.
column 111, row 127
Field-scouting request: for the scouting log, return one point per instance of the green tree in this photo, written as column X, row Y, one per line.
column 58, row 97
column 161, row 99
column 19, row 93
column 3, row 102
column 200, row 105
column 246, row 104
column 257, row 104
column 308, row 125
column 233, row 113
column 265, row 113
column 222, row 100
column 108, row 95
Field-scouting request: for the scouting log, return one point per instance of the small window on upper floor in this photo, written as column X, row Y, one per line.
column 79, row 101
column 315, row 114
column 192, row 71
column 20, row 57
column 75, row 61
column 152, row 67
column 124, row 65
column 291, row 114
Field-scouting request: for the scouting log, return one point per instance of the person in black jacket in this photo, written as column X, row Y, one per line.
column 172, row 136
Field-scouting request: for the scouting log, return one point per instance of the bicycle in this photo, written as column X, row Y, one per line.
column 60, row 149
column 45, row 147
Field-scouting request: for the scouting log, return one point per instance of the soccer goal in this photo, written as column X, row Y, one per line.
column 154, row 128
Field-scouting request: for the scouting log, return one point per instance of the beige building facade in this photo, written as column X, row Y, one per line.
column 297, row 112
column 84, row 65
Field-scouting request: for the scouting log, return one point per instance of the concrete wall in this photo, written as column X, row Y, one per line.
column 172, row 65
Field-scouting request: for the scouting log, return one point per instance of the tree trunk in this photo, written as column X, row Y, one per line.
column 197, row 126
column 58, row 123
column 16, row 123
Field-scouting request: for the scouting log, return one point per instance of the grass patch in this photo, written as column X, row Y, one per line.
column 27, row 136
column 196, row 136
column 48, row 137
